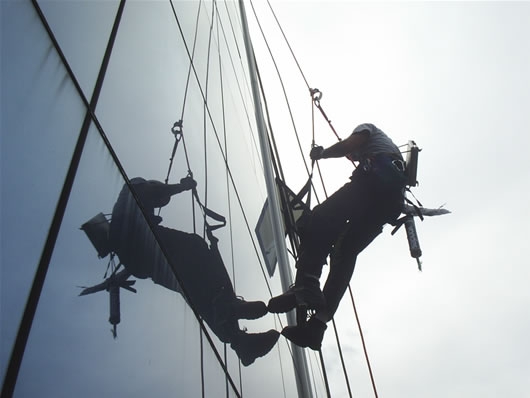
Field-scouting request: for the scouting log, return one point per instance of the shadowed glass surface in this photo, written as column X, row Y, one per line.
column 71, row 349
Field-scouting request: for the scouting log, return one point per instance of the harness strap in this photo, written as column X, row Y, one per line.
column 212, row 214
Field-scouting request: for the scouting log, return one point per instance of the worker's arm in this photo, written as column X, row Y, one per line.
column 344, row 147
column 157, row 194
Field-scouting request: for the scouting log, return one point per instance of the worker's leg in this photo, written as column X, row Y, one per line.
column 343, row 258
column 318, row 235
column 342, row 264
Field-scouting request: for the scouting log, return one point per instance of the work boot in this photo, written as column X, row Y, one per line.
column 306, row 335
column 304, row 293
column 248, row 309
column 249, row 346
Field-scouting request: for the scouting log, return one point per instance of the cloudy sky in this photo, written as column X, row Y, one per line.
column 453, row 77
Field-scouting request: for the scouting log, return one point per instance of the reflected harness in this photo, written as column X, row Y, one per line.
column 177, row 132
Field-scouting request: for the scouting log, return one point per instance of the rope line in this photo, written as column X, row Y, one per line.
column 202, row 363
column 251, row 128
column 324, row 373
column 205, row 106
column 230, row 229
column 229, row 200
column 283, row 88
column 180, row 122
column 288, row 44
column 316, row 96
column 364, row 345
column 254, row 244
column 342, row 358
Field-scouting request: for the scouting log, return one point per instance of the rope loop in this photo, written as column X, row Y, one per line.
column 316, row 95
column 177, row 129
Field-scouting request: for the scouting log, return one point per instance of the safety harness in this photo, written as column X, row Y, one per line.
column 295, row 209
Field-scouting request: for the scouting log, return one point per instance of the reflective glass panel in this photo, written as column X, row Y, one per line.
column 41, row 117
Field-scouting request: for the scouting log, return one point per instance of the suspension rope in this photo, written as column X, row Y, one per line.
column 202, row 362
column 323, row 366
column 364, row 345
column 205, row 106
column 357, row 320
column 249, row 230
column 225, row 150
column 218, row 23
column 278, row 170
column 324, row 373
column 178, row 126
column 250, row 126
column 288, row 45
column 283, row 88
column 342, row 358
column 205, row 210
column 316, row 96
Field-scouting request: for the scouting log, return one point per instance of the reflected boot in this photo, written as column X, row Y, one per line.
column 227, row 309
column 309, row 334
column 249, row 346
column 305, row 294
column 242, row 309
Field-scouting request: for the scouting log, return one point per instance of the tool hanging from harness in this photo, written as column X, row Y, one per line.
column 409, row 208
column 97, row 230
column 411, row 172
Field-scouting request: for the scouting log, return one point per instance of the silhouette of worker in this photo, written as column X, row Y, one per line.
column 198, row 267
column 342, row 226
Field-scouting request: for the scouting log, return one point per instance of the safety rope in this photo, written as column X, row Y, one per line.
column 178, row 126
column 228, row 170
column 280, row 79
column 288, row 44
column 177, row 130
column 236, row 191
column 221, row 81
column 364, row 345
column 317, row 104
column 316, row 96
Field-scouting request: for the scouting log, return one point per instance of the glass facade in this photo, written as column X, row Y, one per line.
column 95, row 91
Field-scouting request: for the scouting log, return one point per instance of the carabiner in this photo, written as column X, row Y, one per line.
column 316, row 94
column 177, row 129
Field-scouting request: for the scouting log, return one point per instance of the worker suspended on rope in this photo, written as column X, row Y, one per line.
column 342, row 226
column 200, row 272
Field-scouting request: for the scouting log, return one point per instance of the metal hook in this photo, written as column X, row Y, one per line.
column 177, row 128
column 316, row 94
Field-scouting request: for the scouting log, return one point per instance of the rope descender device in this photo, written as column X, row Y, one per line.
column 177, row 129
column 316, row 94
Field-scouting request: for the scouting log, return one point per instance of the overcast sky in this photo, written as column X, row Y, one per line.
column 454, row 77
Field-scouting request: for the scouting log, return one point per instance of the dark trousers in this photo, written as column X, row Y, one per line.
column 204, row 279
column 344, row 225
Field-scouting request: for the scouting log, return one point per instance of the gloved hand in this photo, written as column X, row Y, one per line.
column 188, row 183
column 316, row 153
